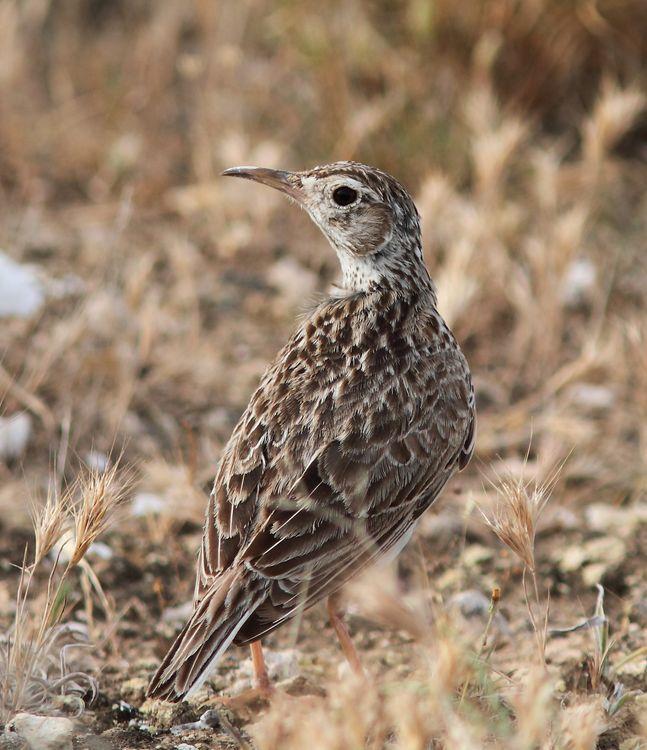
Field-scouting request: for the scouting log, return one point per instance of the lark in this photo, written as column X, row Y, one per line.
column 354, row 430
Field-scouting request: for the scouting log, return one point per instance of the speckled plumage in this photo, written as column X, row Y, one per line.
column 355, row 428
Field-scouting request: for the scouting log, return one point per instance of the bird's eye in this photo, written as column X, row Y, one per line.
column 344, row 195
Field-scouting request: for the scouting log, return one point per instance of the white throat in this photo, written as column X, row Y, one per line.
column 359, row 271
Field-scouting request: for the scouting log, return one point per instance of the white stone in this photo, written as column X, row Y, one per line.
column 66, row 545
column 147, row 503
column 579, row 281
column 590, row 396
column 43, row 732
column 21, row 292
column 610, row 519
column 14, row 433
column 101, row 550
column 97, row 461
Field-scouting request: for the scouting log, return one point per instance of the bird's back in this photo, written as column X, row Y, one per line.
column 354, row 429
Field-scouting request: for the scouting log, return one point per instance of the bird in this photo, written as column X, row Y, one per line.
column 355, row 428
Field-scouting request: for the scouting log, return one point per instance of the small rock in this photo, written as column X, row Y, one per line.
column 9, row 740
column 210, row 719
column 123, row 711
column 43, row 732
column 64, row 548
column 94, row 742
column 474, row 609
column 602, row 552
column 281, row 665
column 21, row 292
column 471, row 603
column 14, row 434
column 96, row 461
column 147, row 503
column 100, row 550
column 621, row 521
column 593, row 573
column 579, row 282
column 301, row 685
column 591, row 397
column 164, row 714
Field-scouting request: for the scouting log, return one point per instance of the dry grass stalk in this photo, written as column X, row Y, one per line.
column 514, row 521
column 33, row 668
column 599, row 662
column 532, row 701
column 49, row 520
column 101, row 495
column 375, row 593
column 615, row 112
column 581, row 726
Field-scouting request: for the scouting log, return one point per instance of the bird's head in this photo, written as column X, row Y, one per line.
column 366, row 215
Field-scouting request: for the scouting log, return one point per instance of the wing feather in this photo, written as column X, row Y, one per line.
column 314, row 485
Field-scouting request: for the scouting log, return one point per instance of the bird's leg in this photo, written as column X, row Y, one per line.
column 345, row 641
column 261, row 678
column 261, row 690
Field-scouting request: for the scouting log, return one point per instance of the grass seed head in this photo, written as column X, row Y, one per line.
column 614, row 114
column 514, row 519
column 100, row 495
column 49, row 521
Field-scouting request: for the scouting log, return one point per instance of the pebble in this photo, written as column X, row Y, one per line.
column 14, row 434
column 21, row 292
column 579, row 282
column 474, row 607
column 43, row 732
column 147, row 503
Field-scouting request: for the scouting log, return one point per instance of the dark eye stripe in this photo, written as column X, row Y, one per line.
column 344, row 195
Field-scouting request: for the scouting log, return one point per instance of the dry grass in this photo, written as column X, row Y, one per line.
column 34, row 674
column 519, row 128
column 514, row 521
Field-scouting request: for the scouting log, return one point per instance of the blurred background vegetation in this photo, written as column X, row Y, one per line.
column 162, row 291
column 99, row 94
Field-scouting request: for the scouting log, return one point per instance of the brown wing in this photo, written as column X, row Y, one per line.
column 330, row 466
column 350, row 507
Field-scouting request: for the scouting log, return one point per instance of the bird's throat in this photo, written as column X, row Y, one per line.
column 391, row 268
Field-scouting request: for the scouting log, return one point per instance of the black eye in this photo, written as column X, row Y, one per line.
column 344, row 195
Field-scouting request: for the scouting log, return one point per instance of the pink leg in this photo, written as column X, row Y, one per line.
column 261, row 678
column 345, row 641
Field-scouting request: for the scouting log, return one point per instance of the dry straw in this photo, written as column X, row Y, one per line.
column 34, row 673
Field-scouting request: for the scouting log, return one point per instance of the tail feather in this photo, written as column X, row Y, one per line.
column 210, row 630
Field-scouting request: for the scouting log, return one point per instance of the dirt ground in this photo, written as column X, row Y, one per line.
column 460, row 562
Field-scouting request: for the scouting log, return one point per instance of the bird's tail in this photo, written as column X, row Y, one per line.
column 213, row 625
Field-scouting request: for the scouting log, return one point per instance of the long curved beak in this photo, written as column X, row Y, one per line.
column 274, row 178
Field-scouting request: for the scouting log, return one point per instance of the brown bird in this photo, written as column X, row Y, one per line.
column 355, row 428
